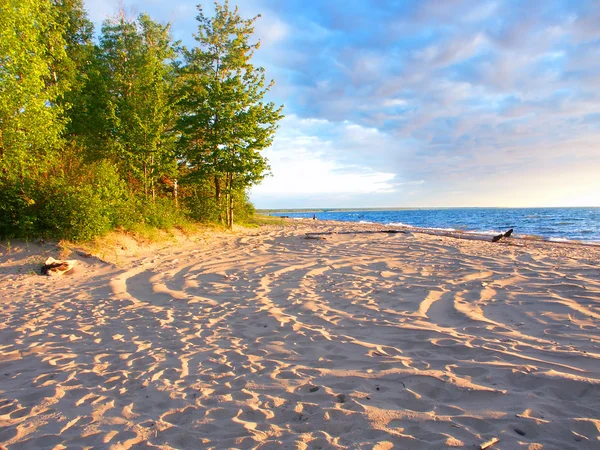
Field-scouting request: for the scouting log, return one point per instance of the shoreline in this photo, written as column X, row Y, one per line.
column 261, row 338
column 457, row 233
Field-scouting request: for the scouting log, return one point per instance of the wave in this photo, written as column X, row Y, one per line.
column 400, row 224
column 405, row 225
column 555, row 239
column 486, row 233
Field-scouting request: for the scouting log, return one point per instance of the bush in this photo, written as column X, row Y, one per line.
column 15, row 219
column 201, row 205
column 243, row 209
column 78, row 201
column 79, row 205
column 160, row 213
column 202, row 208
column 73, row 212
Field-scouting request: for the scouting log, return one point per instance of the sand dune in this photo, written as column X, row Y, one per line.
column 264, row 339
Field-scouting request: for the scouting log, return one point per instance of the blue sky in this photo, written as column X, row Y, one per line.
column 423, row 103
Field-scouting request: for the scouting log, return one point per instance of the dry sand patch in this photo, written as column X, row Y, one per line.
column 265, row 339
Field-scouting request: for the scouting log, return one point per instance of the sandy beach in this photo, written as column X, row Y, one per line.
column 265, row 339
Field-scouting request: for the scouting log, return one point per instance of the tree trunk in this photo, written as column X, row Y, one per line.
column 218, row 197
column 230, row 212
column 227, row 210
column 230, row 201
column 152, row 179
column 175, row 194
column 145, row 181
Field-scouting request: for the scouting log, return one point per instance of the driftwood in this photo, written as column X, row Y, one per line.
column 503, row 235
column 54, row 267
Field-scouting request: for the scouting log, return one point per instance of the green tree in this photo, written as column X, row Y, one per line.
column 224, row 122
column 156, row 115
column 74, row 70
column 31, row 121
column 135, row 79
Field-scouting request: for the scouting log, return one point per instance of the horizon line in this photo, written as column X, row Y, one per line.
column 391, row 208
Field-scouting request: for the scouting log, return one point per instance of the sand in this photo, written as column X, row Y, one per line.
column 264, row 339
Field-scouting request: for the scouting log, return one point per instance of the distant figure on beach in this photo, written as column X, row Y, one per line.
column 314, row 217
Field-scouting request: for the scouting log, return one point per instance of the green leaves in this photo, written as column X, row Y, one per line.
column 224, row 122
column 31, row 121
column 135, row 77
column 96, row 135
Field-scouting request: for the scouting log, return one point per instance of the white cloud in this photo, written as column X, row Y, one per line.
column 307, row 173
column 270, row 29
column 305, row 161
column 392, row 102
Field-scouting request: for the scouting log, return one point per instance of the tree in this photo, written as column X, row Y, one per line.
column 31, row 118
column 31, row 121
column 74, row 70
column 224, row 122
column 135, row 78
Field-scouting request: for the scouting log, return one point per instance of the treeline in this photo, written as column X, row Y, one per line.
column 130, row 129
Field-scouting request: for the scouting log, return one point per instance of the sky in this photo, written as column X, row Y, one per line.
column 424, row 103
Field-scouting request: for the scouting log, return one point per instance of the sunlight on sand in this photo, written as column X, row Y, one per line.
column 265, row 339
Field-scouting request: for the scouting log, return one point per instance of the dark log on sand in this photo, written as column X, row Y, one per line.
column 503, row 235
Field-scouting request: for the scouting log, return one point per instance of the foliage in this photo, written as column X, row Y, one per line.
column 136, row 76
column 160, row 214
column 113, row 134
column 76, row 202
column 200, row 202
column 224, row 122
column 31, row 123
column 74, row 72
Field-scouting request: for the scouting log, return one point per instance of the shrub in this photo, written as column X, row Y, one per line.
column 15, row 205
column 160, row 213
column 243, row 209
column 202, row 208
column 80, row 204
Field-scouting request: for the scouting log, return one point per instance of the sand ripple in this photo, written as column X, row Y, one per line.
column 266, row 339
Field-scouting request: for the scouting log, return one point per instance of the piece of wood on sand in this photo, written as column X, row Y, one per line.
column 502, row 235
column 55, row 267
column 488, row 444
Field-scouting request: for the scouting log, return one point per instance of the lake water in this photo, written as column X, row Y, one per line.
column 581, row 224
